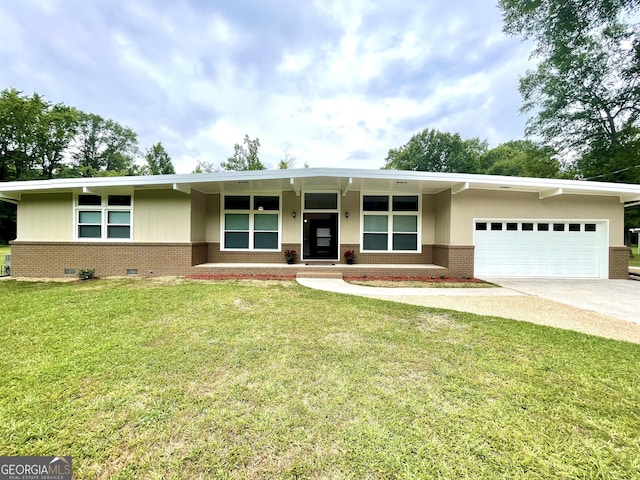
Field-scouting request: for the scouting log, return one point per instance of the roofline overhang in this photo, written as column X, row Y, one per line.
column 457, row 182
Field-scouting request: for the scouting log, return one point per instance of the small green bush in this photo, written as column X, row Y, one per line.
column 86, row 273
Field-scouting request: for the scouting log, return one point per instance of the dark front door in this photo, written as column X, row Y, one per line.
column 320, row 236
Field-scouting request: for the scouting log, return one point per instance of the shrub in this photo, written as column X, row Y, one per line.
column 86, row 273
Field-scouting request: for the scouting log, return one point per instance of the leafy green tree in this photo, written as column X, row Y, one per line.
column 560, row 25
column 55, row 130
column 205, row 167
column 19, row 116
column 104, row 147
column 435, row 151
column 521, row 158
column 245, row 157
column 585, row 90
column 158, row 160
column 289, row 161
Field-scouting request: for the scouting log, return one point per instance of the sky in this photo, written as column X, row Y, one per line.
column 331, row 83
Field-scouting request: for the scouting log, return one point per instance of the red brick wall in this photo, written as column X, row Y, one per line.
column 388, row 258
column 458, row 258
column 217, row 256
column 619, row 262
column 50, row 259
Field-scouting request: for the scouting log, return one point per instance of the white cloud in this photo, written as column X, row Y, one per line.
column 334, row 84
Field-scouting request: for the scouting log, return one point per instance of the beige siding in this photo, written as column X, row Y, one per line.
column 212, row 223
column 350, row 227
column 428, row 219
column 45, row 217
column 198, row 216
column 472, row 204
column 291, row 227
column 442, row 203
column 161, row 216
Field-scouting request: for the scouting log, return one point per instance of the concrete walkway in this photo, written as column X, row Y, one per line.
column 519, row 302
column 340, row 286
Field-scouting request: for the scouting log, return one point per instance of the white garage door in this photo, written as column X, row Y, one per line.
column 536, row 248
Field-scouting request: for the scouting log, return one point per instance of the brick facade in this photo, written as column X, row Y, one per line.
column 426, row 257
column 619, row 262
column 51, row 259
column 459, row 259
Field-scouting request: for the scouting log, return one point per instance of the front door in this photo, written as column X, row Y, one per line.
column 320, row 236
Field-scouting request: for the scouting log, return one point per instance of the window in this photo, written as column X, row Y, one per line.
column 543, row 227
column 103, row 217
column 558, row 227
column 390, row 223
column 481, row 226
column 574, row 227
column 512, row 227
column 496, row 226
column 527, row 227
column 251, row 222
column 590, row 227
column 320, row 201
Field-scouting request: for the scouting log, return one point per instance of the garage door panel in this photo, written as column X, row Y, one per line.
column 566, row 248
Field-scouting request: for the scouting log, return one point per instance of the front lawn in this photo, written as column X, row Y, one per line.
column 242, row 379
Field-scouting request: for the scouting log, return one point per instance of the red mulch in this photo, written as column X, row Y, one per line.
column 396, row 278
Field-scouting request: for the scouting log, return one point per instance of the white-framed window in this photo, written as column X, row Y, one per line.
column 390, row 223
column 103, row 217
column 251, row 222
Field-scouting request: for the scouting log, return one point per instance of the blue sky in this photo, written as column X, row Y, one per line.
column 332, row 83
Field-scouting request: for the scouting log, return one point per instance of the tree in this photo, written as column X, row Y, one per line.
column 521, row 158
column 205, row 167
column 435, row 151
column 245, row 157
column 104, row 147
column 55, row 130
column 158, row 160
column 559, row 25
column 19, row 116
column 289, row 161
column 586, row 88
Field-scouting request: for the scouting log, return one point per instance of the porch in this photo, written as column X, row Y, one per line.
column 317, row 270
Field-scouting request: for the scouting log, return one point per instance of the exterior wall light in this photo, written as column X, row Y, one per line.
column 293, row 215
column 346, row 214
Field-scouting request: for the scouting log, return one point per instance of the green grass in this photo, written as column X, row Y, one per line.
column 149, row 379
column 634, row 261
column 4, row 250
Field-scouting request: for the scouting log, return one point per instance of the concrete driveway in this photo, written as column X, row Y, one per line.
column 607, row 308
column 615, row 298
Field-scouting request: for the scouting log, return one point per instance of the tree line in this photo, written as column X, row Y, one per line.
column 41, row 140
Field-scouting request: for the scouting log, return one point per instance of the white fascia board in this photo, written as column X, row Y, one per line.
column 446, row 180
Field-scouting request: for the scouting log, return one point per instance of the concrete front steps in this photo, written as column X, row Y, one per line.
column 316, row 270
